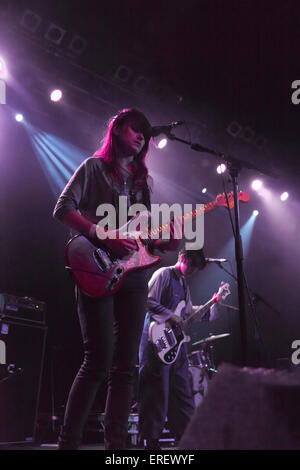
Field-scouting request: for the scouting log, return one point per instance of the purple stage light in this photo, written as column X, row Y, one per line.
column 2, row 67
column 284, row 196
column 256, row 184
column 255, row 212
column 162, row 143
column 19, row 117
column 56, row 95
column 221, row 168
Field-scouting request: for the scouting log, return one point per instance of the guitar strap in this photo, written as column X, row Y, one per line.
column 182, row 280
column 184, row 285
column 184, row 288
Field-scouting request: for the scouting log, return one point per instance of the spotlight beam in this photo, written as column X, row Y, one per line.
column 54, row 150
column 54, row 160
column 57, row 157
column 56, row 181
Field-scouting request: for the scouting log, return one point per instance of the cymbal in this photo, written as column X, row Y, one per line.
column 211, row 338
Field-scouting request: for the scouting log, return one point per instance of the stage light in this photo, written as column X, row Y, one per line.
column 123, row 73
column 234, row 128
column 204, row 190
column 284, row 196
column 55, row 34
column 141, row 83
column 221, row 168
column 56, row 95
column 247, row 134
column 256, row 184
column 260, row 141
column 78, row 45
column 30, row 21
column 162, row 143
column 2, row 67
column 255, row 213
column 19, row 117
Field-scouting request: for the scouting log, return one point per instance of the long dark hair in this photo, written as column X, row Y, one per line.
column 110, row 146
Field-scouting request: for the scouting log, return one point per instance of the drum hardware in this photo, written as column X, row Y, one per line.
column 211, row 338
column 199, row 383
column 231, row 307
column 202, row 367
column 204, row 358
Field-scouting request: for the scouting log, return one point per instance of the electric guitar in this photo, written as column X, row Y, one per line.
column 169, row 339
column 99, row 273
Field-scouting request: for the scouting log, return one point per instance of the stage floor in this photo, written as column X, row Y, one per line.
column 49, row 446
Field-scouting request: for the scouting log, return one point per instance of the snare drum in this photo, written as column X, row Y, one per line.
column 200, row 358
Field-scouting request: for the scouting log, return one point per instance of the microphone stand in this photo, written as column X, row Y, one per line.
column 258, row 298
column 235, row 166
column 253, row 299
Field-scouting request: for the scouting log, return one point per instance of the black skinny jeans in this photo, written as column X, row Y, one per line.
column 164, row 391
column 111, row 330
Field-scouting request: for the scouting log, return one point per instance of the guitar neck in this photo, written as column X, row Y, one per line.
column 200, row 313
column 188, row 216
column 225, row 200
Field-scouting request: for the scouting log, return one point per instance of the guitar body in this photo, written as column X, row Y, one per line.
column 168, row 340
column 96, row 272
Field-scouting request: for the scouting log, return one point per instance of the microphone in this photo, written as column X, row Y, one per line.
column 165, row 129
column 216, row 260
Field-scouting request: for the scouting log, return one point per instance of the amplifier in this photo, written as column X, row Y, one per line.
column 22, row 349
column 22, row 308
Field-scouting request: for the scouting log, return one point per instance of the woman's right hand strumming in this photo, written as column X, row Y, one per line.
column 119, row 246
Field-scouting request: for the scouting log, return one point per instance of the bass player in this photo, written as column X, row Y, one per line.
column 165, row 390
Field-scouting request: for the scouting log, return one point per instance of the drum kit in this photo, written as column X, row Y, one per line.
column 202, row 367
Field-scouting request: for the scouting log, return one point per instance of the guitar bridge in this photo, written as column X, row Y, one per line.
column 170, row 337
column 115, row 277
column 160, row 344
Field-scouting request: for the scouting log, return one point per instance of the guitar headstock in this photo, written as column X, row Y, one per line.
column 243, row 196
column 224, row 290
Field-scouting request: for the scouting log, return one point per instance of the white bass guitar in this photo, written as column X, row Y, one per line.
column 169, row 339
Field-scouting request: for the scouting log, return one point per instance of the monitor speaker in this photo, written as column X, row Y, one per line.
column 247, row 409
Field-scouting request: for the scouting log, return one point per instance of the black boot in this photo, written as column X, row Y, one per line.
column 67, row 441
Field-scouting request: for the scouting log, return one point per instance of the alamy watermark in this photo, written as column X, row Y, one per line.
column 296, row 354
column 296, row 94
column 162, row 222
column 2, row 92
column 2, row 352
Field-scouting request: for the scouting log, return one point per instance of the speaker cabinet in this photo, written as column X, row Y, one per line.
column 247, row 409
column 22, row 349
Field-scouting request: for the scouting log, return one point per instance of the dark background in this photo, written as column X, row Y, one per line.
column 210, row 63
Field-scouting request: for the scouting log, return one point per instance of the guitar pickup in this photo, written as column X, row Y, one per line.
column 102, row 259
column 170, row 336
